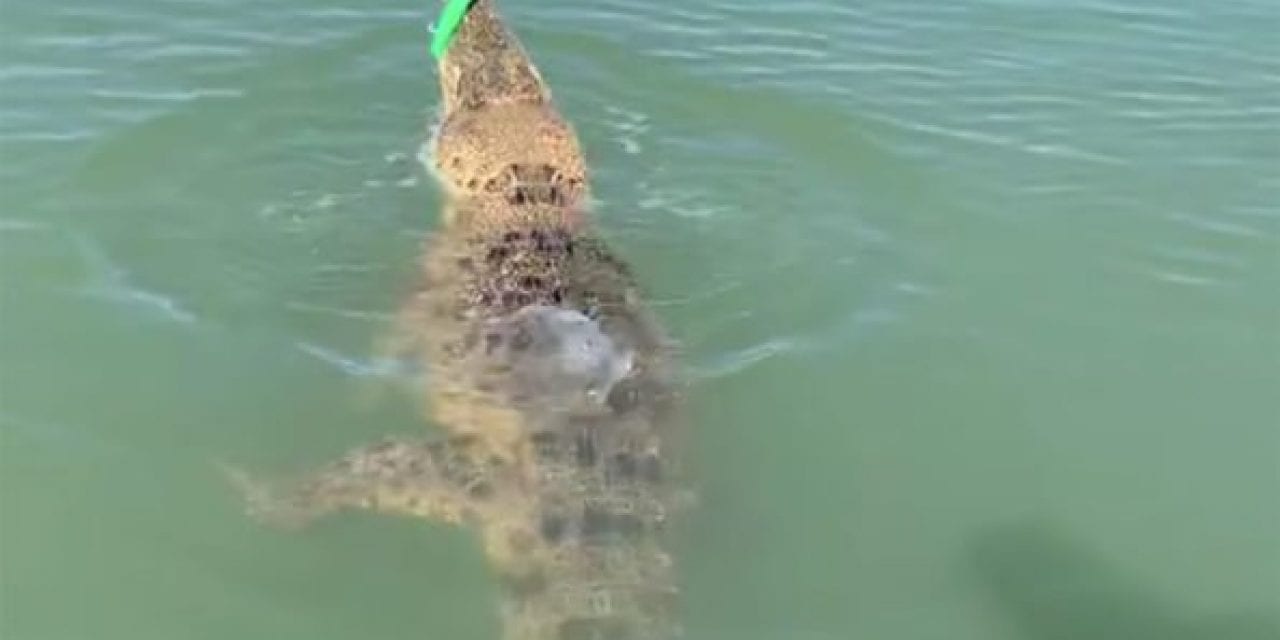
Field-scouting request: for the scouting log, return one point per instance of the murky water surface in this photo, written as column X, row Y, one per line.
column 980, row 302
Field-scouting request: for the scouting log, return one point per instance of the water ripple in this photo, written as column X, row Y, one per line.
column 1216, row 226
column 1003, row 140
column 352, row 366
column 110, row 282
column 735, row 362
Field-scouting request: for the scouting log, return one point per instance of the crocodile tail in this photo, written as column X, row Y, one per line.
column 485, row 64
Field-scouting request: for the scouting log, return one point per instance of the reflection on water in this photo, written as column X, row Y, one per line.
column 1054, row 588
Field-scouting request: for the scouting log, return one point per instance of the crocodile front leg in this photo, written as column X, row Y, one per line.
column 440, row 480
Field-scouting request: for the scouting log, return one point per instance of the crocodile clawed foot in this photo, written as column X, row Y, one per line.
column 265, row 503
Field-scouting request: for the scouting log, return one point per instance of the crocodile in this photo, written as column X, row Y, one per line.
column 549, row 378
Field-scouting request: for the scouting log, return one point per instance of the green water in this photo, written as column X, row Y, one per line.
column 980, row 305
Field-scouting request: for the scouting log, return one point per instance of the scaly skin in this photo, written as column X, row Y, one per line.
column 569, row 487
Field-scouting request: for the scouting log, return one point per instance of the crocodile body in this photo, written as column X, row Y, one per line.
column 547, row 374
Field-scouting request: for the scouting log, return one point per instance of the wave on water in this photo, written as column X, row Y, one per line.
column 10, row 225
column 357, row 367
column 108, row 281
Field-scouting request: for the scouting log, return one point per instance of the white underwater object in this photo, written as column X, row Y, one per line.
column 558, row 353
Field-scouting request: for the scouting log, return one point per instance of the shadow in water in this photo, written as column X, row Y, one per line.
column 1055, row 589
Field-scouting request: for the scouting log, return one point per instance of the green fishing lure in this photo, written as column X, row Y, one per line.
column 447, row 25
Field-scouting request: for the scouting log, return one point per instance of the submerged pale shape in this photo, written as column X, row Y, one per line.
column 564, row 353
